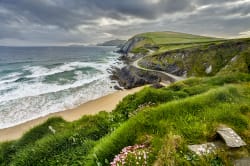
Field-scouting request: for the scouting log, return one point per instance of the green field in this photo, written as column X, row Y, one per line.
column 165, row 41
column 176, row 38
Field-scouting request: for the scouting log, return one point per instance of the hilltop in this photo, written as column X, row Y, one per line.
column 163, row 41
column 156, row 125
column 116, row 42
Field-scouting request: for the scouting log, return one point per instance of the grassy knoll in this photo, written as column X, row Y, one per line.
column 192, row 120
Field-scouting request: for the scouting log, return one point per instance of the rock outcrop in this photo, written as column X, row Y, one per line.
column 129, row 45
column 130, row 77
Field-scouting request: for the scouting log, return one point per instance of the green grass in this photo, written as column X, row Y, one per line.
column 175, row 37
column 165, row 41
column 70, row 142
column 169, row 47
column 193, row 119
column 139, row 50
column 240, row 63
column 167, row 119
column 185, row 113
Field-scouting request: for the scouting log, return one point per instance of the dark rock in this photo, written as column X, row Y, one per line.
column 169, row 68
column 117, row 87
column 130, row 77
column 129, row 45
column 157, row 85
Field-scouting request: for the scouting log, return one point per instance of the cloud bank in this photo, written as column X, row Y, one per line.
column 60, row 22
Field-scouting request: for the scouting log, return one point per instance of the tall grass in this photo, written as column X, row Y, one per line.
column 194, row 119
column 186, row 112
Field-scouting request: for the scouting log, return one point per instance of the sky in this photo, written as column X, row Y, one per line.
column 64, row 22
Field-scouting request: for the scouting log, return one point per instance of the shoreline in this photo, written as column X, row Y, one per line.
column 104, row 103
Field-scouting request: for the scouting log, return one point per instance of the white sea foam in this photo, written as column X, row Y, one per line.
column 33, row 98
column 39, row 71
column 11, row 75
column 36, row 87
column 9, row 78
column 7, row 81
column 17, row 111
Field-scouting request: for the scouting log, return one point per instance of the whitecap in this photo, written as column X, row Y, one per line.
column 20, row 110
column 40, row 71
column 33, row 97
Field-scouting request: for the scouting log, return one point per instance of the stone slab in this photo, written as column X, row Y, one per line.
column 242, row 162
column 231, row 138
column 203, row 149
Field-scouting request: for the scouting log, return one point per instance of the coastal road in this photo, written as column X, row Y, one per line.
column 176, row 78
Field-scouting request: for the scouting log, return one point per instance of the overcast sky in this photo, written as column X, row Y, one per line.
column 62, row 22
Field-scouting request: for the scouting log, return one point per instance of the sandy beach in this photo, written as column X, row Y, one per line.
column 107, row 103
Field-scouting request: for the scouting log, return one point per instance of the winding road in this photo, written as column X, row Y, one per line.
column 175, row 78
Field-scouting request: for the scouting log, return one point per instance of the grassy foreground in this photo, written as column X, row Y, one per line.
column 166, row 119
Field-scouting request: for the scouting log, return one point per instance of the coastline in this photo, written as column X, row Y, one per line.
column 105, row 103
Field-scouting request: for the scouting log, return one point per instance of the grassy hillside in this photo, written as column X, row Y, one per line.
column 191, row 55
column 165, row 41
column 196, row 60
column 166, row 120
column 175, row 37
column 155, row 126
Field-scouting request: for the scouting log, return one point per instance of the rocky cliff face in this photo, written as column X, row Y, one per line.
column 196, row 61
column 130, row 77
column 129, row 45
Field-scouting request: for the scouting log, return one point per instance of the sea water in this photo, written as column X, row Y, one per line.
column 36, row 81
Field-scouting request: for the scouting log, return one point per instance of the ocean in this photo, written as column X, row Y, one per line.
column 36, row 81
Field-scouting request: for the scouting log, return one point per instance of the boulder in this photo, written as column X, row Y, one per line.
column 157, row 85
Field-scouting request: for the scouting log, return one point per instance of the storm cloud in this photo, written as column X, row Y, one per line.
column 60, row 22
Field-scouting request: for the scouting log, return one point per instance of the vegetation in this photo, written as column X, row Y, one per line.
column 156, row 123
column 166, row 119
column 176, row 37
column 195, row 61
column 166, row 41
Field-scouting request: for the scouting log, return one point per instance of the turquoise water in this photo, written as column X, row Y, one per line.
column 36, row 81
